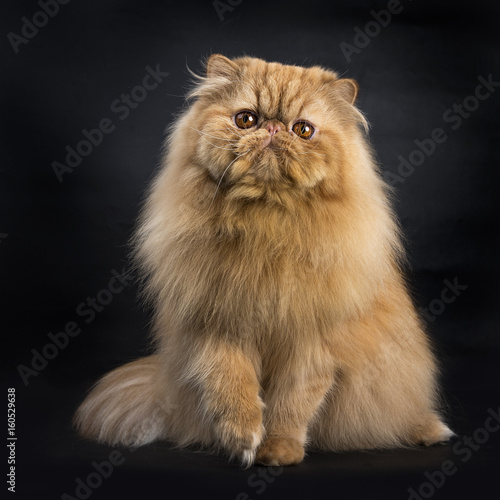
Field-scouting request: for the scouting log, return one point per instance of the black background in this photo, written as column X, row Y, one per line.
column 60, row 241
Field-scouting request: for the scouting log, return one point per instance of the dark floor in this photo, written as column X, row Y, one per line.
column 51, row 461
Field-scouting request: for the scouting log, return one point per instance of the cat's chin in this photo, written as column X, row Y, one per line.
column 268, row 172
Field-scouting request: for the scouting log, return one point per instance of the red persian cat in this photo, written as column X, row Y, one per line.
column 273, row 259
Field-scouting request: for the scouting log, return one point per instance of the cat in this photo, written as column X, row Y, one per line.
column 274, row 261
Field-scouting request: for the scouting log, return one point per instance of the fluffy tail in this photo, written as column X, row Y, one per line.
column 123, row 407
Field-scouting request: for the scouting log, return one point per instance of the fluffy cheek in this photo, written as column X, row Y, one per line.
column 306, row 167
column 217, row 141
column 317, row 163
column 331, row 150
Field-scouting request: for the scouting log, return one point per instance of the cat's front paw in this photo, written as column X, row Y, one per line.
column 280, row 451
column 241, row 437
column 241, row 444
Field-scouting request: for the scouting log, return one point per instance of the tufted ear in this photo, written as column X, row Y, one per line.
column 346, row 88
column 219, row 65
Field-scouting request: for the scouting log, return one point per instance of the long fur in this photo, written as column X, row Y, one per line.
column 282, row 317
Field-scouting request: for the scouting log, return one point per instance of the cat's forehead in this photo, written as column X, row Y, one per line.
column 276, row 90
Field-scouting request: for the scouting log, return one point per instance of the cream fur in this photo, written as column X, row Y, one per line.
column 282, row 318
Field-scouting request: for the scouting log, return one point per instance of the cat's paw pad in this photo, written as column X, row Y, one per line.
column 280, row 451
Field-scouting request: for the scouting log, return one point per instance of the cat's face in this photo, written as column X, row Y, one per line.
column 266, row 129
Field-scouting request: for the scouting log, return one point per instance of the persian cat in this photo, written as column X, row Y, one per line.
column 273, row 259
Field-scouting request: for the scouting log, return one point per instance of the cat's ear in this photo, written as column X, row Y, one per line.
column 346, row 88
column 219, row 65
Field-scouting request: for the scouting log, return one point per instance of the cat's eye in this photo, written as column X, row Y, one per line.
column 245, row 119
column 303, row 129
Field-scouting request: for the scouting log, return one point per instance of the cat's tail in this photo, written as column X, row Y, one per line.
column 123, row 407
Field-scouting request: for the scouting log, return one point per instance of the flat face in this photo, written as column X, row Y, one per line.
column 267, row 128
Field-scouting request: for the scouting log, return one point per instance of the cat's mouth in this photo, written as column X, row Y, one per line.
column 267, row 142
column 272, row 151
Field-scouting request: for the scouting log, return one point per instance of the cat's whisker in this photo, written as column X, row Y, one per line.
column 298, row 159
column 201, row 134
column 215, row 145
column 214, row 136
column 234, row 131
column 312, row 149
column 224, row 173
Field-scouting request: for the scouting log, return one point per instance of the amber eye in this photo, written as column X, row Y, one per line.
column 245, row 119
column 304, row 130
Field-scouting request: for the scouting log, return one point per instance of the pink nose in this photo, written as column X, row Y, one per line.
column 273, row 128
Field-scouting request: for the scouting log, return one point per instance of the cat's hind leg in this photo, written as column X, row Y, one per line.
column 389, row 405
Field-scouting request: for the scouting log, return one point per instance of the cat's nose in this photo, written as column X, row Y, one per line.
column 273, row 128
